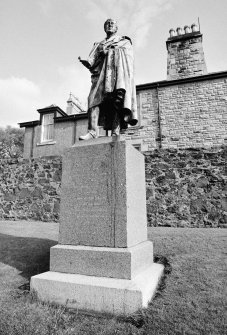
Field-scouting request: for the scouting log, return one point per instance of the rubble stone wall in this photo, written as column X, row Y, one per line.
column 185, row 188
column 30, row 189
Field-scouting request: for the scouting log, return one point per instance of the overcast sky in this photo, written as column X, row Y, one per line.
column 42, row 39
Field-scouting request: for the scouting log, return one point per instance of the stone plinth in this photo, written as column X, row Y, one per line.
column 103, row 261
column 124, row 263
column 103, row 200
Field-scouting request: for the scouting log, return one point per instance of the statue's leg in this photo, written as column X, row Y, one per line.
column 93, row 128
column 116, row 125
column 117, row 108
column 93, row 121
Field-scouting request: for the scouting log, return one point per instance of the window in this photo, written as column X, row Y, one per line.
column 47, row 127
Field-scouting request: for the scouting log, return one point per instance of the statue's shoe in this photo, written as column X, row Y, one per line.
column 90, row 135
column 115, row 132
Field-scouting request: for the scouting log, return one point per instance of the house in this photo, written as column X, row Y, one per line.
column 189, row 109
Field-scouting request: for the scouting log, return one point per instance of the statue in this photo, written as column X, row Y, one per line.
column 112, row 98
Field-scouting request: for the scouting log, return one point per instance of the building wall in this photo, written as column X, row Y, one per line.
column 65, row 135
column 147, row 131
column 183, row 115
column 194, row 114
column 28, row 142
column 81, row 128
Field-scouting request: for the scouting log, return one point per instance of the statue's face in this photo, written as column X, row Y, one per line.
column 110, row 26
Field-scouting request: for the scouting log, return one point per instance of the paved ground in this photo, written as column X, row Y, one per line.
column 37, row 229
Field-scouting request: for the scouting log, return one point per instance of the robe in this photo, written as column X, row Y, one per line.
column 112, row 71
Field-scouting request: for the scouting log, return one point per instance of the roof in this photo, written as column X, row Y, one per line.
column 72, row 117
column 65, row 118
column 29, row 124
column 165, row 83
column 51, row 109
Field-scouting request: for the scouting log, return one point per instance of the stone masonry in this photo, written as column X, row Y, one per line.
column 185, row 54
column 185, row 188
column 186, row 113
column 30, row 189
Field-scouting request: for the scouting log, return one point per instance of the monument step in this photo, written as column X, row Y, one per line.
column 123, row 263
column 101, row 294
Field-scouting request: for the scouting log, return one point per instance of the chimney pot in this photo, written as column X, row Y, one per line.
column 172, row 32
column 186, row 29
column 179, row 31
column 194, row 27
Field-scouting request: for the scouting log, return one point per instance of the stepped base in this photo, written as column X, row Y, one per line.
column 122, row 263
column 100, row 294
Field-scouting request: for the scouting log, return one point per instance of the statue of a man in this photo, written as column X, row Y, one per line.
column 112, row 98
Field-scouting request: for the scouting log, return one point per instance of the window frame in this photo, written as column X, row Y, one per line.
column 44, row 126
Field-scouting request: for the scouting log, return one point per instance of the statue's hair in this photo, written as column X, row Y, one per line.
column 110, row 20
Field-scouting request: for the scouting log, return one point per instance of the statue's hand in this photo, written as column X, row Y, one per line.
column 85, row 63
column 104, row 50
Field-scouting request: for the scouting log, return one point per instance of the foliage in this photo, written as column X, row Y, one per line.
column 11, row 142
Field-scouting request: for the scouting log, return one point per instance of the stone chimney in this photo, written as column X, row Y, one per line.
column 74, row 106
column 185, row 53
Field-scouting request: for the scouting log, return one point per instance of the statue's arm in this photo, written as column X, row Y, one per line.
column 93, row 57
column 85, row 63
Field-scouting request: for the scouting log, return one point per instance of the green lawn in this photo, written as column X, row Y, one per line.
column 190, row 299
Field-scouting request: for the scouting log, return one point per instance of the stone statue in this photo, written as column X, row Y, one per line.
column 112, row 98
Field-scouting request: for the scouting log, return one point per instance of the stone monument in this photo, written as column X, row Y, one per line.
column 103, row 261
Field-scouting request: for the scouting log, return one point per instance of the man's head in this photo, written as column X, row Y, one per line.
column 110, row 26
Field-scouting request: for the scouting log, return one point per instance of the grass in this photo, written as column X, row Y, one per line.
column 190, row 299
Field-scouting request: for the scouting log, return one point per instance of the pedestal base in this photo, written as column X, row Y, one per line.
column 100, row 294
column 121, row 263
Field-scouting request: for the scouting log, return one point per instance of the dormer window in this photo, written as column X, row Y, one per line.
column 48, row 116
column 47, row 127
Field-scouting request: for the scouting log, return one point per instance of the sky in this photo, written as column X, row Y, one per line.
column 42, row 39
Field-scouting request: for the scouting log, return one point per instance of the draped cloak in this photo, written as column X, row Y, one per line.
column 112, row 69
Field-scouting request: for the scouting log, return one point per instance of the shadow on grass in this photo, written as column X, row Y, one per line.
column 31, row 256
column 28, row 255
column 167, row 271
column 139, row 318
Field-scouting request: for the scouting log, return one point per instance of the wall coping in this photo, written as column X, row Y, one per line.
column 72, row 117
column 183, row 37
column 57, row 119
column 29, row 124
column 165, row 83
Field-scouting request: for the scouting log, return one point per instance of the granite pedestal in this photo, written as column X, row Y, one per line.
column 103, row 261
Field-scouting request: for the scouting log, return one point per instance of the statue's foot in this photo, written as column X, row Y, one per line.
column 90, row 135
column 115, row 132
